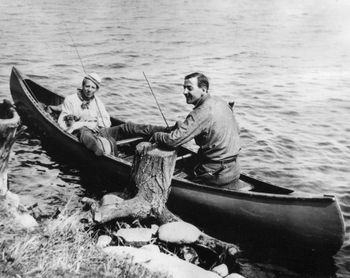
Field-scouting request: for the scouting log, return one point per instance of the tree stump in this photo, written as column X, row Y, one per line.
column 10, row 206
column 151, row 176
column 9, row 122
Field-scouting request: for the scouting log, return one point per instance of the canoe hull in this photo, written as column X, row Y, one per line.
column 309, row 223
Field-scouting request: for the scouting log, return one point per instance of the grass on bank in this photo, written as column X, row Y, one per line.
column 60, row 247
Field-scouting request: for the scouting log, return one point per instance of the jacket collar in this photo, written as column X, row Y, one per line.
column 202, row 100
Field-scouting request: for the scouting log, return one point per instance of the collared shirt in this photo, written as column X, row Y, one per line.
column 94, row 115
column 212, row 125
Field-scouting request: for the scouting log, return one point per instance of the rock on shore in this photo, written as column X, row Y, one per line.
column 159, row 262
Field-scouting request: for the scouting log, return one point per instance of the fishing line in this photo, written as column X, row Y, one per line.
column 160, row 110
column 76, row 48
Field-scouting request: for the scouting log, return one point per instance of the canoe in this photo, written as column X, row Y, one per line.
column 259, row 210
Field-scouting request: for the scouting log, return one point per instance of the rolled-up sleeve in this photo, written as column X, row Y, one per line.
column 193, row 125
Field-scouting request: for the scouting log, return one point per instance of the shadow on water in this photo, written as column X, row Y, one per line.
column 265, row 254
column 291, row 260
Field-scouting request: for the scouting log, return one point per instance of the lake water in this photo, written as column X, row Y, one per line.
column 286, row 64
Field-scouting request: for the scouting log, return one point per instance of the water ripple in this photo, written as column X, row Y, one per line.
column 292, row 98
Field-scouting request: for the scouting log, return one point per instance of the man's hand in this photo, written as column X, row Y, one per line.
column 155, row 137
column 175, row 126
column 96, row 129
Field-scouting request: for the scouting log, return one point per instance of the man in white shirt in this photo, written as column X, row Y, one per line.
column 88, row 112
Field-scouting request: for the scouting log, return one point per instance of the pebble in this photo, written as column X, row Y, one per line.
column 221, row 270
column 189, row 254
column 135, row 235
column 179, row 232
column 103, row 241
column 233, row 251
column 154, row 228
column 111, row 199
column 26, row 220
column 234, row 275
column 13, row 199
column 151, row 248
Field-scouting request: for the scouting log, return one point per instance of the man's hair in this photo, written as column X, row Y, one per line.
column 202, row 80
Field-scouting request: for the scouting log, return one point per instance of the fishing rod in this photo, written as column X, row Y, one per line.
column 76, row 49
column 160, row 110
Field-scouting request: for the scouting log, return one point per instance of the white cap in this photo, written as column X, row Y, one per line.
column 94, row 77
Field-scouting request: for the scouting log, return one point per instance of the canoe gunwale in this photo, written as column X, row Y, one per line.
column 181, row 182
column 222, row 191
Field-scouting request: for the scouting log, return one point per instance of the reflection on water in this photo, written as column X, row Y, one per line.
column 284, row 63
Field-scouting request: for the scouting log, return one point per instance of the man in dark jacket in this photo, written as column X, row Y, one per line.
column 215, row 130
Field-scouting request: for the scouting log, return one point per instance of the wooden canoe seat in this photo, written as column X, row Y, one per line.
column 182, row 163
column 236, row 186
column 134, row 140
column 180, row 174
column 184, row 157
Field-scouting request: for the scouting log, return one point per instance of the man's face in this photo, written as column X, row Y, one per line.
column 89, row 88
column 191, row 91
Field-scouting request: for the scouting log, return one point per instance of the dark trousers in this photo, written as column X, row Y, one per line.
column 115, row 133
column 129, row 130
column 224, row 175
